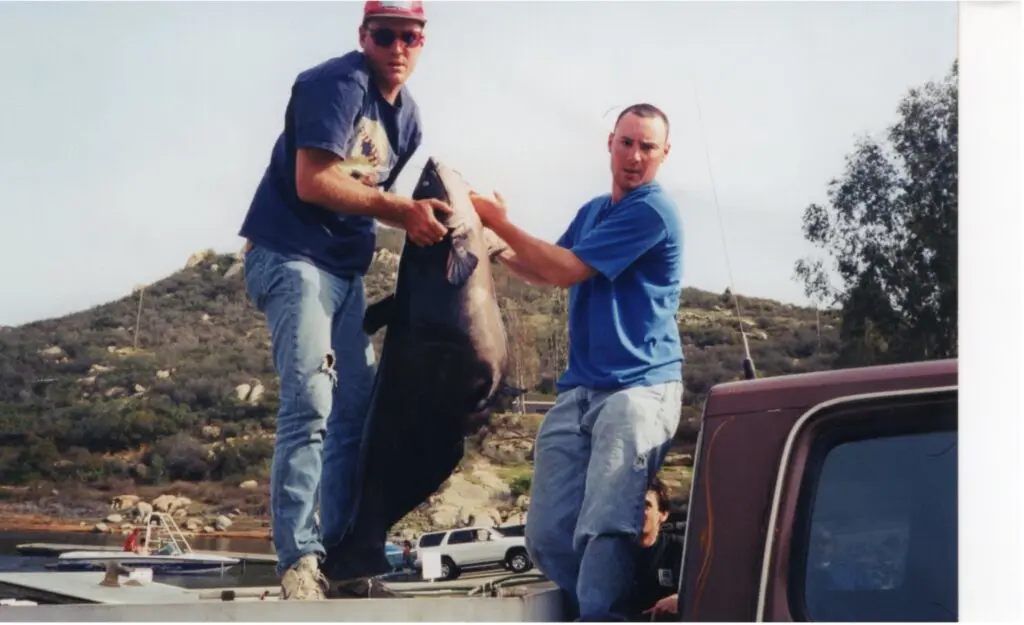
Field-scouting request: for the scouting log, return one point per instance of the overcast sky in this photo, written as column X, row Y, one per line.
column 135, row 134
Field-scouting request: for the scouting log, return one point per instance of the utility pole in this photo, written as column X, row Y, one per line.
column 138, row 316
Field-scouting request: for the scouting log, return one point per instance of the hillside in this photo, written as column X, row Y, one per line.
column 194, row 401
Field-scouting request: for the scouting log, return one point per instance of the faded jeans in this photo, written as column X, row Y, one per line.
column 326, row 365
column 594, row 457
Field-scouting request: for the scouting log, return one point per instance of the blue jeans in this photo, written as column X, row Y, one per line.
column 326, row 365
column 595, row 454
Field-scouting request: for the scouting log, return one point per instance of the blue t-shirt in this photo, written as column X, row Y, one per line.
column 336, row 107
column 622, row 321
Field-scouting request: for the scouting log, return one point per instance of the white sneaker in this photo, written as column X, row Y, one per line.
column 304, row 581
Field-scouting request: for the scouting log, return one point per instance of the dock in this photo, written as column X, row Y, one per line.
column 80, row 597
column 55, row 549
column 77, row 588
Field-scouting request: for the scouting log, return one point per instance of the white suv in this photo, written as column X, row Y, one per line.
column 474, row 547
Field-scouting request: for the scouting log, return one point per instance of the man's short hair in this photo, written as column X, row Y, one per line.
column 644, row 109
column 660, row 493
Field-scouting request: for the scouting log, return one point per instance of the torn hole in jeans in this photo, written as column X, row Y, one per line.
column 327, row 367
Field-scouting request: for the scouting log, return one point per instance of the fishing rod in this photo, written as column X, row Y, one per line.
column 749, row 371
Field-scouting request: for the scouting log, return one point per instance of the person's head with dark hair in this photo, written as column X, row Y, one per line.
column 638, row 145
column 656, row 504
column 646, row 110
column 661, row 492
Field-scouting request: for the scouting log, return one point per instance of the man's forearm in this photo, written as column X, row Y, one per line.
column 341, row 193
column 319, row 181
column 512, row 263
column 553, row 264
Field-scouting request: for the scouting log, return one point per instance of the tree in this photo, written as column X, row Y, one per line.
column 522, row 349
column 890, row 230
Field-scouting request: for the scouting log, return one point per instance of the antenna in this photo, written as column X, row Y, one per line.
column 749, row 372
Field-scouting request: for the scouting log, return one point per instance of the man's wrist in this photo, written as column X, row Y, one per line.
column 392, row 207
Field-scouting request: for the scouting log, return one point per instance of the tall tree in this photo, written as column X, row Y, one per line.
column 522, row 348
column 889, row 231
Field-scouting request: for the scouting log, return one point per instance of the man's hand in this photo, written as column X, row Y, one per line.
column 491, row 209
column 666, row 605
column 420, row 223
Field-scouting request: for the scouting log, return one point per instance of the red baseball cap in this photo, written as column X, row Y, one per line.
column 411, row 10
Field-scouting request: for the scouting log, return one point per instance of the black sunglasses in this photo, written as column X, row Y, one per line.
column 385, row 37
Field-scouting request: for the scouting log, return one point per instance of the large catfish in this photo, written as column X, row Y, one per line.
column 443, row 366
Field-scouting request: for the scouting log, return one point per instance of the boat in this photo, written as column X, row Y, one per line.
column 168, row 553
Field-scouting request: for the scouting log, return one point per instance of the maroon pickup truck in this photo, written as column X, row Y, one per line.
column 827, row 496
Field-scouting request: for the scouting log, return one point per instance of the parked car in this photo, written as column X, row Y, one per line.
column 474, row 548
column 393, row 553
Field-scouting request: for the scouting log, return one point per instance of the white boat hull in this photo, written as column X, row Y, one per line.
column 185, row 563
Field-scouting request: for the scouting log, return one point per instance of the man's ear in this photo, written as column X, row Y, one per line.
column 611, row 137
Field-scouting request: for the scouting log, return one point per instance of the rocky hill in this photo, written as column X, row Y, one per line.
column 173, row 385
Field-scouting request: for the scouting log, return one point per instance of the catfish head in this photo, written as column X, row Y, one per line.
column 467, row 240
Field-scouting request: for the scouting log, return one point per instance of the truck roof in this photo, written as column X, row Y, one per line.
column 809, row 389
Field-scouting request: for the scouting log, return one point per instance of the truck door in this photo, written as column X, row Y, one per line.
column 863, row 525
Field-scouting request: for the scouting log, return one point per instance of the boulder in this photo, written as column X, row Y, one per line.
column 515, row 519
column 491, row 482
column 143, row 509
column 124, row 502
column 445, row 516
column 514, row 451
column 481, row 517
column 164, row 503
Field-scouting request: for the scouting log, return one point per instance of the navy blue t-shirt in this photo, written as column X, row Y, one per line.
column 622, row 321
column 334, row 106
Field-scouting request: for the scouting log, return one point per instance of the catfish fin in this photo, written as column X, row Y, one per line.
column 508, row 390
column 461, row 262
column 378, row 314
column 496, row 246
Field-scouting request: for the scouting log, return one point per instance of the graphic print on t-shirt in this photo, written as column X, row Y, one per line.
column 665, row 577
column 369, row 157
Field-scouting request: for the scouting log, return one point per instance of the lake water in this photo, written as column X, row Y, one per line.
column 249, row 575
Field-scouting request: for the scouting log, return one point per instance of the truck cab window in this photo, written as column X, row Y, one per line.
column 881, row 542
